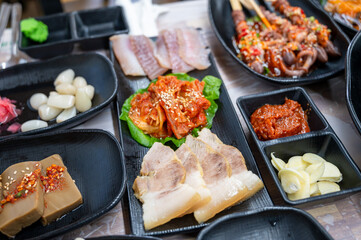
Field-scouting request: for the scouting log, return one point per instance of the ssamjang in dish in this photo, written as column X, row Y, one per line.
column 290, row 48
column 276, row 121
column 170, row 108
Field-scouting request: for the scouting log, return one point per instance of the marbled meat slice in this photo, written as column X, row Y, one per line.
column 125, row 55
column 162, row 190
column 171, row 42
column 194, row 175
column 217, row 174
column 236, row 162
column 192, row 49
column 161, row 53
column 143, row 49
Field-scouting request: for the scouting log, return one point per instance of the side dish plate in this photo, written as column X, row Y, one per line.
column 20, row 82
column 220, row 17
column 225, row 124
column 99, row 173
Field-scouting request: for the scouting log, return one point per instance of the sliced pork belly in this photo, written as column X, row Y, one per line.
column 192, row 48
column 125, row 55
column 194, row 175
column 143, row 49
column 217, row 174
column 161, row 53
column 236, row 162
column 171, row 42
column 162, row 191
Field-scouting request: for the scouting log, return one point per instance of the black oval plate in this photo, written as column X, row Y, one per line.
column 222, row 23
column 267, row 223
column 99, row 173
column 22, row 81
column 353, row 80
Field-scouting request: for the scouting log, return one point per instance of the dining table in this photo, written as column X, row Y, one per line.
column 340, row 217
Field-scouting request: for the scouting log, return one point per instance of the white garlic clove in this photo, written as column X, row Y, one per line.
column 47, row 112
column 66, row 76
column 89, row 90
column 82, row 100
column 61, row 101
column 37, row 100
column 66, row 88
column 79, row 82
column 33, row 124
column 53, row 93
column 66, row 114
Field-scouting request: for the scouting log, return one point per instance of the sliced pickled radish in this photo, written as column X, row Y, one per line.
column 291, row 180
column 312, row 158
column 297, row 163
column 328, row 187
column 304, row 191
column 66, row 76
column 315, row 171
column 331, row 173
column 277, row 163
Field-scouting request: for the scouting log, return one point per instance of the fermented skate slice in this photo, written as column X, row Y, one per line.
column 161, row 53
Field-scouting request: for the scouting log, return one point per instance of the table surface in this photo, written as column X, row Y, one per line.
column 341, row 218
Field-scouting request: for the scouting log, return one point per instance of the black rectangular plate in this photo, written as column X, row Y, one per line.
column 98, row 172
column 220, row 17
column 268, row 223
column 225, row 124
column 320, row 140
column 20, row 82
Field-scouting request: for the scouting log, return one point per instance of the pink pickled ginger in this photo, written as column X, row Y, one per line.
column 8, row 110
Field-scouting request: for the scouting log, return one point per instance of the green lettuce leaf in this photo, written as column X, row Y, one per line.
column 210, row 91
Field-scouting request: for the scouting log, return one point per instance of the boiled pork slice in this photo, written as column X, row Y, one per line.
column 64, row 198
column 26, row 210
column 171, row 42
column 143, row 48
column 236, row 162
column 192, row 48
column 125, row 55
column 194, row 175
column 161, row 53
column 162, row 188
column 217, row 174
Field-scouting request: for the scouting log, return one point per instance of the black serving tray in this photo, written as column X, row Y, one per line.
column 90, row 28
column 221, row 20
column 98, row 172
column 20, row 82
column 268, row 223
column 321, row 140
column 353, row 78
column 225, row 124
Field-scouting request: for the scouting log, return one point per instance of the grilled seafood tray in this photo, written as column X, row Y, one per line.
column 320, row 140
column 220, row 14
column 90, row 28
column 225, row 124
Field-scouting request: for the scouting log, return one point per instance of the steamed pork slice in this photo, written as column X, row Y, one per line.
column 64, row 195
column 171, row 42
column 143, row 49
column 236, row 162
column 28, row 204
column 194, row 175
column 225, row 190
column 161, row 53
column 157, row 156
column 125, row 55
column 163, row 192
column 192, row 48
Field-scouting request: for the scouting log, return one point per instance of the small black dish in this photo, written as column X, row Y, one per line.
column 221, row 20
column 320, row 140
column 225, row 124
column 353, row 80
column 267, row 223
column 350, row 31
column 60, row 39
column 98, row 172
column 94, row 27
column 20, row 82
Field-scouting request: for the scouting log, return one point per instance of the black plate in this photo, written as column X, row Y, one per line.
column 353, row 78
column 22, row 81
column 268, row 223
column 350, row 31
column 89, row 27
column 98, row 172
column 124, row 237
column 225, row 124
column 321, row 140
column 222, row 23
